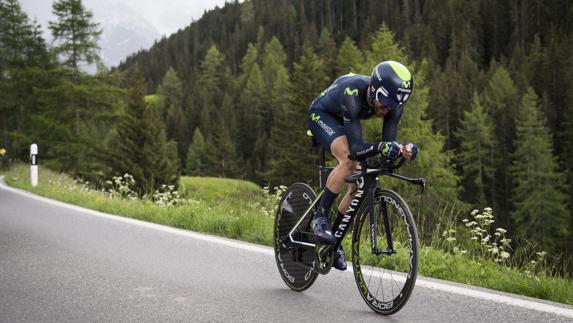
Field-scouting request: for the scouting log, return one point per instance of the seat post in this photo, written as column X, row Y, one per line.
column 323, row 171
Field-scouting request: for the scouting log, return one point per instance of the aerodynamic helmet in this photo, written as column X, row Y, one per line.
column 391, row 84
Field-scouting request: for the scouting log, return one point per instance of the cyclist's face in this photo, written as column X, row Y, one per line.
column 381, row 110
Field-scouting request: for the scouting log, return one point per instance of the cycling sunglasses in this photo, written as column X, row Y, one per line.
column 382, row 97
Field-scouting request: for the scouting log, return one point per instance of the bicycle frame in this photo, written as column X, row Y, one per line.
column 367, row 185
column 366, row 188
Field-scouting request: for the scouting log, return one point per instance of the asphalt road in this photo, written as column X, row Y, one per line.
column 60, row 263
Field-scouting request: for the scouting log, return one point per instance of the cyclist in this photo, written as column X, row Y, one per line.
column 334, row 119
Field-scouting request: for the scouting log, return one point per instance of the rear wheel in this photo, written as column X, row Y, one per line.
column 295, row 262
column 386, row 281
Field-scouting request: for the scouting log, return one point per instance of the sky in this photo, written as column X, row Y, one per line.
column 128, row 25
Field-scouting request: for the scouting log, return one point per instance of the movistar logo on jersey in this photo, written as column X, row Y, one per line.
column 351, row 91
column 406, row 84
column 386, row 149
column 314, row 117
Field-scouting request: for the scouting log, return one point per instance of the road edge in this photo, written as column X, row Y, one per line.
column 430, row 283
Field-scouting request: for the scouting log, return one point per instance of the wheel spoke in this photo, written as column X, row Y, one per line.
column 393, row 272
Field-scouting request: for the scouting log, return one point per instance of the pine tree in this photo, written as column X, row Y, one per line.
column 291, row 157
column 176, row 129
column 211, row 89
column 540, row 205
column 195, row 154
column 171, row 91
column 172, row 154
column 383, row 47
column 22, row 50
column 475, row 155
column 434, row 162
column 500, row 100
column 220, row 153
column 276, row 81
column 251, row 107
column 75, row 33
column 170, row 108
column 349, row 59
column 139, row 145
column 451, row 94
column 326, row 50
column 21, row 43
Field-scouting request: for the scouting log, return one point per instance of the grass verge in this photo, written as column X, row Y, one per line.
column 240, row 210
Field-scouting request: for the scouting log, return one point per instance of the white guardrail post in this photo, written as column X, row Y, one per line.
column 34, row 164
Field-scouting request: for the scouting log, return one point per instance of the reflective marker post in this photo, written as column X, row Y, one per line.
column 34, row 164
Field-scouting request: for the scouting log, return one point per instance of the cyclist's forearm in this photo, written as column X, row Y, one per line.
column 363, row 150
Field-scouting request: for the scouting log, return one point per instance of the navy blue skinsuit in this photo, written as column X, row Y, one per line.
column 337, row 112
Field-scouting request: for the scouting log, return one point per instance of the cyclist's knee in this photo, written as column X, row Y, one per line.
column 351, row 188
column 348, row 165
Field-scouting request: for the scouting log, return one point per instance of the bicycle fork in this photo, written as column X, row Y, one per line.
column 374, row 224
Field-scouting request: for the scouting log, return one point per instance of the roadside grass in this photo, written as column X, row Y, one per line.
column 213, row 208
column 438, row 264
column 241, row 210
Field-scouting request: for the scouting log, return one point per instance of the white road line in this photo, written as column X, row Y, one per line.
column 421, row 282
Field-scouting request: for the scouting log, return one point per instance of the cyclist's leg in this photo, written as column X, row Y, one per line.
column 329, row 131
column 345, row 203
column 345, row 167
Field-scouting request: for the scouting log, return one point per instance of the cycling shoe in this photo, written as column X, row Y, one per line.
column 339, row 259
column 322, row 230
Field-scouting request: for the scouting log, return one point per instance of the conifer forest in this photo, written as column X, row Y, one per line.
column 227, row 96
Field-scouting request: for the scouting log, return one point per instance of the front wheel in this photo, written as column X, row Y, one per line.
column 386, row 280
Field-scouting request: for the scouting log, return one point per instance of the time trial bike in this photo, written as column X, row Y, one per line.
column 384, row 242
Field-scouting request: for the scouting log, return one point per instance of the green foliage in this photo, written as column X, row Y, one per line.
column 475, row 155
column 75, row 33
column 500, row 99
column 195, row 154
column 251, row 107
column 21, row 43
column 349, row 59
column 451, row 94
column 383, row 47
column 540, row 206
column 212, row 88
column 208, row 77
column 327, row 51
column 220, row 153
column 170, row 92
column 139, row 145
column 292, row 158
column 172, row 112
column 433, row 163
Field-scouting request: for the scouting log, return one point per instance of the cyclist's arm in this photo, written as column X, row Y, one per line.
column 390, row 128
column 353, row 129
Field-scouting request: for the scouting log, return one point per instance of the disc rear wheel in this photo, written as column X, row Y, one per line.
column 295, row 261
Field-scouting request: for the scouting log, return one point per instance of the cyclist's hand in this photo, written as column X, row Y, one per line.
column 409, row 151
column 391, row 149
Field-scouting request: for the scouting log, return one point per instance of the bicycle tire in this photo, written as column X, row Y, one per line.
column 295, row 262
column 386, row 270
